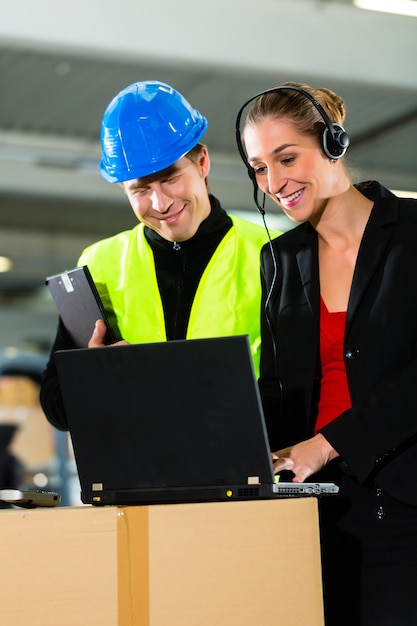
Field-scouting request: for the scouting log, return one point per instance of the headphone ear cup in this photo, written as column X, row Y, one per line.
column 335, row 143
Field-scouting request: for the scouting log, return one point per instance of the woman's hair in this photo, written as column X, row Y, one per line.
column 295, row 107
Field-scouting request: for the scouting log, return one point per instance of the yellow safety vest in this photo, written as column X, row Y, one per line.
column 227, row 300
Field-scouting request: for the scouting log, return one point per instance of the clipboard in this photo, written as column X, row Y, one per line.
column 79, row 305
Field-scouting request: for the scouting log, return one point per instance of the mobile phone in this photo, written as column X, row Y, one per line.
column 30, row 499
column 286, row 489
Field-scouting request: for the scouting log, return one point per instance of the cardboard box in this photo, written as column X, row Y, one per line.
column 34, row 441
column 18, row 391
column 213, row 564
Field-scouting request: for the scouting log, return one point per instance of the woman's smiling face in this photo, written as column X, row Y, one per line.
column 290, row 167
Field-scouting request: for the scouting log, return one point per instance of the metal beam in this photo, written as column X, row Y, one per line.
column 311, row 37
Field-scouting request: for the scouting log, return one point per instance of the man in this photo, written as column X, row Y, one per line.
column 188, row 270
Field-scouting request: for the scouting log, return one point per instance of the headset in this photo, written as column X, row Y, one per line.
column 334, row 139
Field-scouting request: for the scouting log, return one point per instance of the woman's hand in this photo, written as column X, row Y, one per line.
column 305, row 458
column 98, row 337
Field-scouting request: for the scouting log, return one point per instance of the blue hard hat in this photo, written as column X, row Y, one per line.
column 146, row 128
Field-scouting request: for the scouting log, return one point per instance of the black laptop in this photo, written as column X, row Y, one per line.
column 170, row 422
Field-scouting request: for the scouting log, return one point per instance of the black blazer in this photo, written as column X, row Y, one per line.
column 377, row 437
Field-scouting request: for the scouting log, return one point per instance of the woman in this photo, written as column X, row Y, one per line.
column 339, row 350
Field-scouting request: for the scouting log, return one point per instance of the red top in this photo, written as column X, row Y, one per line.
column 334, row 391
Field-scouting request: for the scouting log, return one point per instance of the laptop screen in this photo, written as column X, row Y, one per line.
column 169, row 421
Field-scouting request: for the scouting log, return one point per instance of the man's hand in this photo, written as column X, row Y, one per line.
column 305, row 458
column 98, row 337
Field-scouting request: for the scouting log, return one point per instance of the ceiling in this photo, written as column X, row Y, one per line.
column 59, row 69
